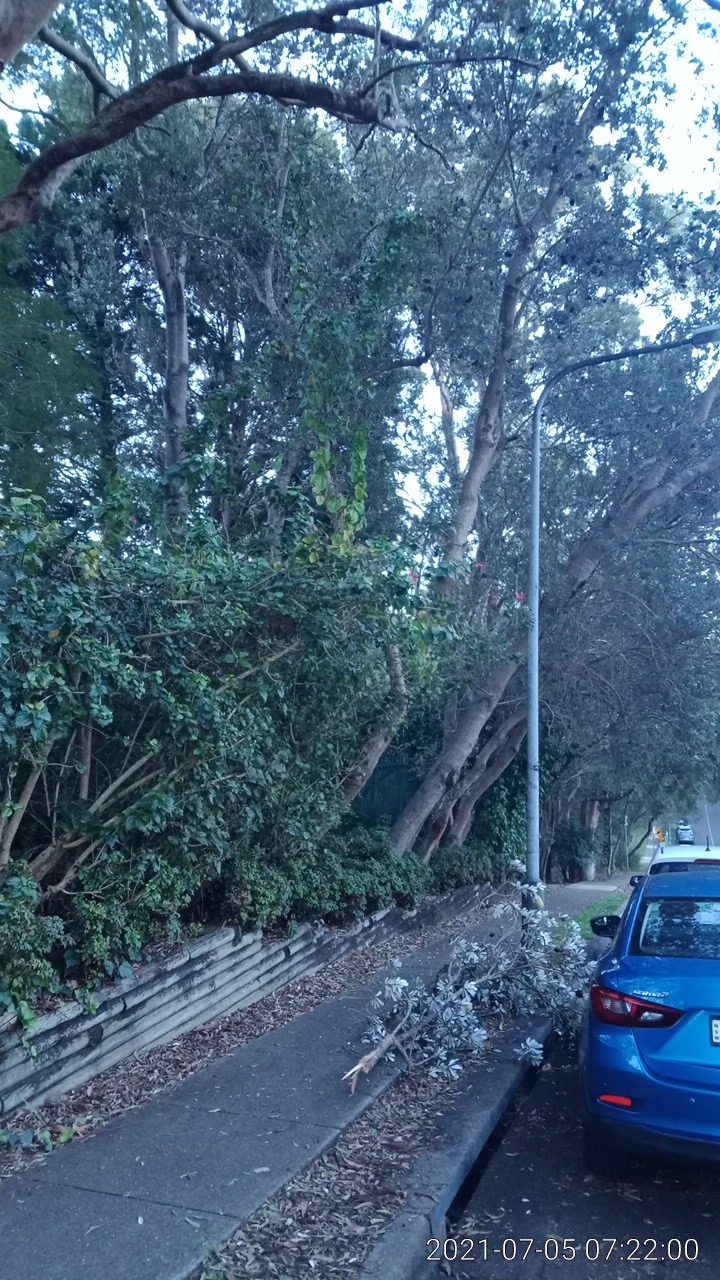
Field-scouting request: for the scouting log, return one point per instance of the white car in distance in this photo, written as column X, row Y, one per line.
column 679, row 858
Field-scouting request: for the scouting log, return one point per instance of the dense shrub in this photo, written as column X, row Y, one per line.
column 350, row 872
column 176, row 722
column 498, row 838
column 26, row 943
column 501, row 821
column 573, row 848
column 472, row 863
column 453, row 866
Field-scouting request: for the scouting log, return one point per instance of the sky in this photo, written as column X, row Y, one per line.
column 692, row 160
column 691, row 152
column 690, row 145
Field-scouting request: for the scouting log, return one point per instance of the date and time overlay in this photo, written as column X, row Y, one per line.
column 605, row 1249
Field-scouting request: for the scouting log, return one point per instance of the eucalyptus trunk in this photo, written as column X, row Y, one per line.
column 446, row 769
column 383, row 735
column 170, row 272
column 488, row 440
column 464, row 812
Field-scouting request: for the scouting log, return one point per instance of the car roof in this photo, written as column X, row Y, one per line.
column 687, row 884
column 684, row 853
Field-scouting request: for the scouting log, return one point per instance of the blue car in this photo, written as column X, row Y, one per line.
column 650, row 1041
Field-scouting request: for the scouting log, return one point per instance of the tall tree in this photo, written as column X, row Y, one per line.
column 549, row 193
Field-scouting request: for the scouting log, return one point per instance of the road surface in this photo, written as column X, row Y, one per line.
column 537, row 1199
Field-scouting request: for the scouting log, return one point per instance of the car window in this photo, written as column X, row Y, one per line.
column 680, row 927
column 669, row 866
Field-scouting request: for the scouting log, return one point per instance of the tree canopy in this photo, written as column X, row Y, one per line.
column 278, row 290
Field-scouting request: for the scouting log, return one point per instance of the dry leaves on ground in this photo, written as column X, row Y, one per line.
column 327, row 1220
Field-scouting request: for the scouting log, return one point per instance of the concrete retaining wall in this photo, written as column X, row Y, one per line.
column 208, row 978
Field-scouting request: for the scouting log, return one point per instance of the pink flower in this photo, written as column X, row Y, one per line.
column 519, row 595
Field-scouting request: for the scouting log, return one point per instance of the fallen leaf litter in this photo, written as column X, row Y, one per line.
column 326, row 1221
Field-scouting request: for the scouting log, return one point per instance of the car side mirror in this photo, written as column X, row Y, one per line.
column 636, row 880
column 605, row 926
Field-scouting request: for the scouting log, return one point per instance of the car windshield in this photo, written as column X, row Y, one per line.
column 681, row 927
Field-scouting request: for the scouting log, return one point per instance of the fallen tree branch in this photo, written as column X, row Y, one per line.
column 368, row 1061
column 495, row 978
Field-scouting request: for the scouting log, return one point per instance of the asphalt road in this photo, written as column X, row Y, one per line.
column 537, row 1199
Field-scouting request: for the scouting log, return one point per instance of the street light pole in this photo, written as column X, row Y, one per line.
column 699, row 338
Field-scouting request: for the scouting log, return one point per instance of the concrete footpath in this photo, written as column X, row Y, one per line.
column 151, row 1194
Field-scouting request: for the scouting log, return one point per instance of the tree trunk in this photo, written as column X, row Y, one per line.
column 443, row 820
column 446, row 768
column 171, row 278
column 652, row 492
column 380, row 740
column 502, row 759
column 488, row 434
column 447, row 419
column 487, row 441
column 20, row 20
column 231, row 441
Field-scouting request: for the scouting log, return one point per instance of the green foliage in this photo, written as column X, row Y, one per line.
column 496, row 843
column 574, row 847
column 45, row 379
column 27, row 943
column 179, row 717
column 174, row 732
column 610, row 905
column 456, row 865
column 349, row 873
column 501, row 819
column 41, row 1139
column 27, row 1138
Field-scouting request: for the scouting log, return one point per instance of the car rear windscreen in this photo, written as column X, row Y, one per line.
column 687, row 928
column 670, row 866
column 686, row 864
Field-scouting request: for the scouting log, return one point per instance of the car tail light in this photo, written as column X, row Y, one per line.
column 617, row 1099
column 706, row 862
column 630, row 1011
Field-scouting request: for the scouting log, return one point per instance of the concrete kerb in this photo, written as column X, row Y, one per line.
column 487, row 1090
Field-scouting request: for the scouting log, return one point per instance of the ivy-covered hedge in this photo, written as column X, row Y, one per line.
column 497, row 841
column 176, row 722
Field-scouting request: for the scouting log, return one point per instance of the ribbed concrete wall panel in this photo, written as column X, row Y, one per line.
column 206, row 978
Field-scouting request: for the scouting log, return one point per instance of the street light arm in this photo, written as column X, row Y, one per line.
column 698, row 338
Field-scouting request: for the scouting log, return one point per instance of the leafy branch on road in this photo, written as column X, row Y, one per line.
column 492, row 979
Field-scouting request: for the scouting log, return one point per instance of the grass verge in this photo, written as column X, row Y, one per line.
column 609, row 905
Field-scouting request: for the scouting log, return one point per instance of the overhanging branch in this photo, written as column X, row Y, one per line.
column 188, row 80
column 38, row 186
column 201, row 27
column 89, row 68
